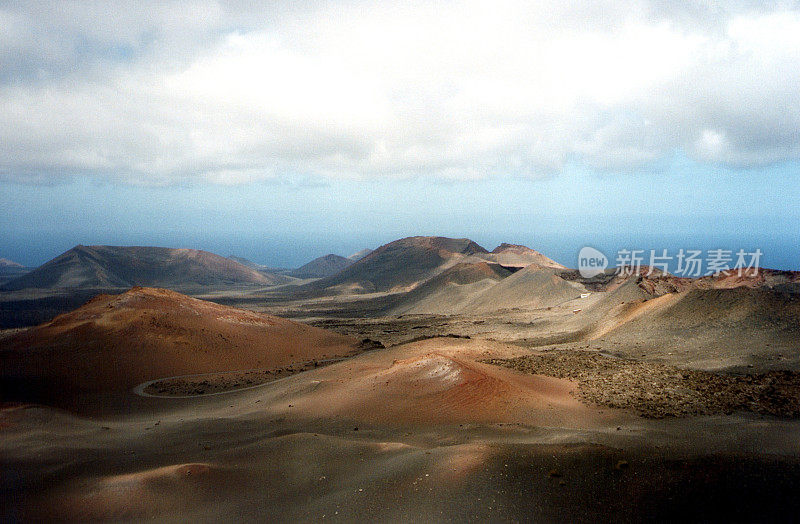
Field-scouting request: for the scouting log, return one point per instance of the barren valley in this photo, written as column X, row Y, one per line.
column 429, row 380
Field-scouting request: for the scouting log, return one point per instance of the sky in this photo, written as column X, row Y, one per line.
column 294, row 129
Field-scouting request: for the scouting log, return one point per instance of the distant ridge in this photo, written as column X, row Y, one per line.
column 6, row 263
column 247, row 262
column 355, row 257
column 521, row 256
column 323, row 266
column 10, row 269
column 122, row 267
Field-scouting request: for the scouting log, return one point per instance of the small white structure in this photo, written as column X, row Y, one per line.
column 585, row 295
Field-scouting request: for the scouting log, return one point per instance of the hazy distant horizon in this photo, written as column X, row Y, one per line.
column 295, row 250
column 286, row 225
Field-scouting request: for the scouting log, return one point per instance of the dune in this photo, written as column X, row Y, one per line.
column 115, row 267
column 113, row 343
column 476, row 288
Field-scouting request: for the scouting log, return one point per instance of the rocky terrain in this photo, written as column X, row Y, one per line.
column 656, row 390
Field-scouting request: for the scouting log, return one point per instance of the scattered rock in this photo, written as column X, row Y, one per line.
column 657, row 390
column 368, row 344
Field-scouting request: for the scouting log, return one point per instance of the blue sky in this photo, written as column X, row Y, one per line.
column 289, row 130
column 677, row 204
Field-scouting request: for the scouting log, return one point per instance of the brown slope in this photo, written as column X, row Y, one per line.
column 113, row 343
column 123, row 266
column 400, row 265
column 439, row 381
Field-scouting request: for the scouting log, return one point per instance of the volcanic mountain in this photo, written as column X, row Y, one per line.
column 401, row 265
column 109, row 267
column 10, row 269
column 515, row 255
column 324, row 266
column 4, row 263
column 115, row 342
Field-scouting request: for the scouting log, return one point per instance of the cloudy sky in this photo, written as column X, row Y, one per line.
column 328, row 125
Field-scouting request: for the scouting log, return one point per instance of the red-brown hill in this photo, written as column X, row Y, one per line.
column 115, row 342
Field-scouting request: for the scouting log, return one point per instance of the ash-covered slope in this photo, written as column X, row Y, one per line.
column 529, row 288
column 452, row 290
column 400, row 265
column 714, row 324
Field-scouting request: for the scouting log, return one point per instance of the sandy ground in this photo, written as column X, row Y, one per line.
column 422, row 431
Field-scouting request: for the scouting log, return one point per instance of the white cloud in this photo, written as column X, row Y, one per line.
column 170, row 91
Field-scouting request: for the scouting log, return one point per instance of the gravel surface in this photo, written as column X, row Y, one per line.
column 658, row 390
column 210, row 383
